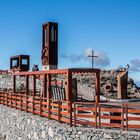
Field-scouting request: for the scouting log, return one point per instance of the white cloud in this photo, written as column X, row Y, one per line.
column 135, row 65
column 102, row 60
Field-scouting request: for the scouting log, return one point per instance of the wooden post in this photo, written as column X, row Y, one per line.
column 20, row 102
column 14, row 84
column 44, row 86
column 122, row 79
column 122, row 116
column 96, row 123
column 27, row 89
column 74, row 115
column 97, row 92
column 126, row 113
column 16, row 101
column 99, row 113
column 11, row 99
column 69, row 93
column 49, row 95
column 40, row 106
column 34, row 92
column 59, row 111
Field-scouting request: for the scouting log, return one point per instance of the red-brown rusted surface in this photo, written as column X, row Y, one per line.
column 50, row 44
column 20, row 63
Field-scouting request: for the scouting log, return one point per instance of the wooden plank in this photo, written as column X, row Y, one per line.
column 44, row 103
column 133, row 110
column 30, row 100
column 111, row 125
column 37, row 112
column 35, row 101
column 65, row 107
column 65, row 114
column 44, row 114
column 111, row 117
column 44, row 109
column 54, row 117
column 66, row 120
column 30, row 110
column 54, row 104
column 85, row 116
column 133, row 126
column 85, row 109
column 133, row 118
column 86, row 123
column 54, row 111
column 111, row 110
column 37, row 106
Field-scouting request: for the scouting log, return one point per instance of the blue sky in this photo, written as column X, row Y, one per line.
column 110, row 27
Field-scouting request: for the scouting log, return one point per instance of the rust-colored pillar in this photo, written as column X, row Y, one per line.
column 122, row 79
column 97, row 92
column 69, row 86
column 69, row 93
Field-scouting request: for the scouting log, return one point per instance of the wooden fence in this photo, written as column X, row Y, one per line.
column 102, row 115
column 52, row 109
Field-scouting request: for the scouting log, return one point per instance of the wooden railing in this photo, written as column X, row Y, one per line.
column 102, row 115
column 132, row 116
column 85, row 114
column 52, row 109
column 111, row 116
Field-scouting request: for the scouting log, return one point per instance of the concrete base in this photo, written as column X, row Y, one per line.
column 49, row 67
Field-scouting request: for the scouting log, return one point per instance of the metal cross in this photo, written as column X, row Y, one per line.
column 92, row 56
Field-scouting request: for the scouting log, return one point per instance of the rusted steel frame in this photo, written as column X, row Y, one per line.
column 97, row 88
column 26, row 91
column 69, row 92
column 63, row 71
column 85, row 70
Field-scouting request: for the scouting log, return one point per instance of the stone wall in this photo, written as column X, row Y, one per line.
column 19, row 125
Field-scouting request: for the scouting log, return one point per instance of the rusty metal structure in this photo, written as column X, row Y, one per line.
column 20, row 63
column 122, row 79
column 42, row 102
column 49, row 53
column 41, row 92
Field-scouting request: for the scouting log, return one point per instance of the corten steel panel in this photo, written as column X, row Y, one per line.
column 19, row 66
column 50, row 44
